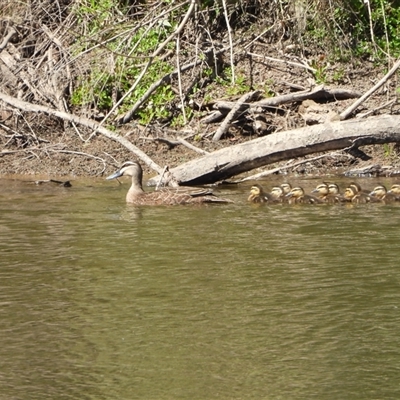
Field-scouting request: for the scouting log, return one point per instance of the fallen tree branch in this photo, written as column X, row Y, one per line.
column 233, row 113
column 319, row 93
column 225, row 163
column 23, row 105
column 345, row 114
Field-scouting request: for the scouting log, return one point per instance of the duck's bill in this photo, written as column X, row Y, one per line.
column 114, row 175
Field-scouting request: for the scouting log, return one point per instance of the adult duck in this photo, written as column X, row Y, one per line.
column 165, row 196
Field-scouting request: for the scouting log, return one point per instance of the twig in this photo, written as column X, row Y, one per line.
column 6, row 152
column 386, row 33
column 59, row 183
column 387, row 104
column 191, row 146
column 161, row 177
column 112, row 158
column 232, row 114
column 10, row 33
column 258, row 36
column 371, row 29
column 8, row 129
column 180, row 80
column 77, row 132
column 80, row 153
column 30, row 128
column 345, row 114
column 230, row 41
column 313, row 70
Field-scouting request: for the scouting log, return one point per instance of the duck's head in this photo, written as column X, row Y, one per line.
column 395, row 189
column 128, row 168
column 286, row 187
column 256, row 190
column 296, row 192
column 257, row 194
column 355, row 186
column 322, row 189
column 379, row 192
column 350, row 192
column 333, row 188
column 277, row 192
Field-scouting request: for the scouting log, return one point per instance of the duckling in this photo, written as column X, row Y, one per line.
column 137, row 196
column 297, row 195
column 277, row 194
column 352, row 195
column 381, row 194
column 333, row 188
column 357, row 188
column 322, row 190
column 257, row 194
column 328, row 193
column 395, row 190
column 334, row 192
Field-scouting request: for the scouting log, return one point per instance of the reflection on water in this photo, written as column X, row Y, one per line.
column 102, row 300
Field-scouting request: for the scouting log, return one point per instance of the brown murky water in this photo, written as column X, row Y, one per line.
column 99, row 300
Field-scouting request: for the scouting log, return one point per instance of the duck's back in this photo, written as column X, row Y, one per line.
column 171, row 197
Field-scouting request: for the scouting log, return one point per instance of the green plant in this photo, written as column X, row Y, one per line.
column 95, row 14
column 388, row 150
column 320, row 67
column 266, row 88
column 179, row 120
column 109, row 79
column 338, row 75
column 239, row 87
column 363, row 29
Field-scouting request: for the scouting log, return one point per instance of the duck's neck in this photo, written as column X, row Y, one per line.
column 136, row 185
column 135, row 189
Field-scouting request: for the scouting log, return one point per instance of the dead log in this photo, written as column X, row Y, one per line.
column 319, row 93
column 225, row 163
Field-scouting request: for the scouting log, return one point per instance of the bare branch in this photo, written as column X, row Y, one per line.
column 345, row 114
column 233, row 113
column 7, row 38
column 22, row 105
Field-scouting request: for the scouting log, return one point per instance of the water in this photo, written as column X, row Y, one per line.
column 99, row 300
